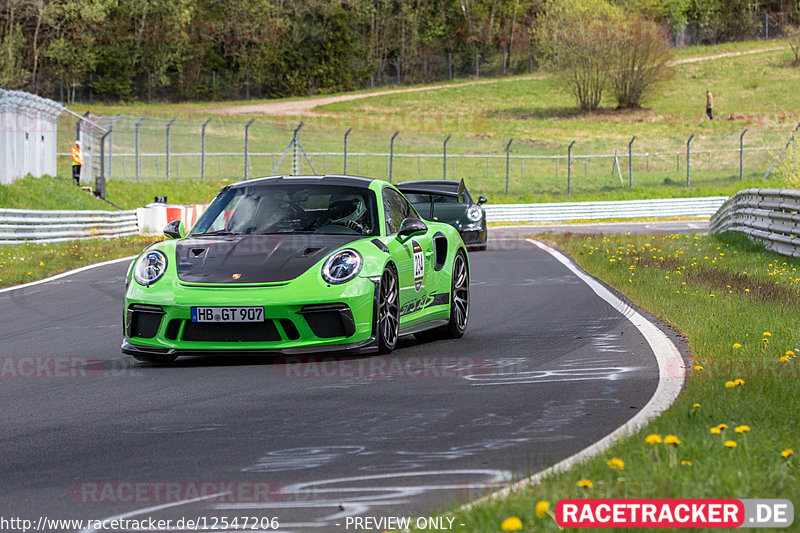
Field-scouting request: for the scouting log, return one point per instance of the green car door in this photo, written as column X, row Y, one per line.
column 413, row 256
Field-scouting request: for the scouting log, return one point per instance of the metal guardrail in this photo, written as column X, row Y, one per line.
column 43, row 226
column 565, row 211
column 19, row 225
column 770, row 216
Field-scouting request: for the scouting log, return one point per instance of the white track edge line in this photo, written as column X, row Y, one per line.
column 671, row 375
column 67, row 273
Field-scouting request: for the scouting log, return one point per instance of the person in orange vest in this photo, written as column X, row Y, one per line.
column 77, row 162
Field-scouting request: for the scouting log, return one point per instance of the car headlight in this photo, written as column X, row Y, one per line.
column 150, row 267
column 474, row 213
column 342, row 266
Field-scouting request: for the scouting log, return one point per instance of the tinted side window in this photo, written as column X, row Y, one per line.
column 396, row 209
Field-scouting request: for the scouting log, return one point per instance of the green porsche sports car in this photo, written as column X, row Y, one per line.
column 297, row 265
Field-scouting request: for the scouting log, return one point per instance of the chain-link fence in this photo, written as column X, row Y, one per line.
column 232, row 149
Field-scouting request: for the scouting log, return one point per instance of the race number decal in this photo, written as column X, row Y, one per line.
column 419, row 265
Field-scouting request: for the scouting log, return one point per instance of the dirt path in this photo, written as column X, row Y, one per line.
column 305, row 106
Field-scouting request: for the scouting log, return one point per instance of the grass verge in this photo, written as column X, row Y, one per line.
column 54, row 193
column 22, row 263
column 737, row 305
column 48, row 193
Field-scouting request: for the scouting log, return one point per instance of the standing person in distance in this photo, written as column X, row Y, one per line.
column 709, row 105
column 77, row 162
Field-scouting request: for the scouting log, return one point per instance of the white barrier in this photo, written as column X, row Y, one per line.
column 769, row 216
column 44, row 226
column 566, row 211
column 153, row 217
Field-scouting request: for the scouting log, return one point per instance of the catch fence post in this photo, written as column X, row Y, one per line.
column 169, row 125
column 630, row 163
column 391, row 155
column 203, row 149
column 247, row 147
column 569, row 168
column 345, row 149
column 508, row 156
column 688, row 154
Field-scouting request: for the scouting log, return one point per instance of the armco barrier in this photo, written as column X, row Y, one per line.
column 565, row 211
column 769, row 216
column 152, row 218
column 20, row 225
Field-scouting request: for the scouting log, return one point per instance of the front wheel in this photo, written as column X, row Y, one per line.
column 387, row 326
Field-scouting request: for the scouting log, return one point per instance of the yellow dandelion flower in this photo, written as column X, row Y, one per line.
column 616, row 464
column 730, row 444
column 767, row 334
column 686, row 463
column 744, row 428
column 672, row 440
column 512, row 523
column 738, row 381
column 715, row 430
column 41, row 263
column 736, row 345
column 790, row 353
column 783, row 358
column 788, row 452
column 695, row 405
column 653, row 439
column 585, row 483
column 541, row 508
column 730, row 384
column 698, row 367
column 723, row 427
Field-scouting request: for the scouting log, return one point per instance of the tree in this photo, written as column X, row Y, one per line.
column 575, row 39
column 792, row 36
column 640, row 60
column 12, row 45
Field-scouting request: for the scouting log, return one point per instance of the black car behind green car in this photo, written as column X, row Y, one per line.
column 450, row 202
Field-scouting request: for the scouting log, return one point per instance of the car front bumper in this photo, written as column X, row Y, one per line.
column 336, row 318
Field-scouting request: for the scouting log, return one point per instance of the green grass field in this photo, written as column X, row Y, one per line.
column 737, row 306
column 754, row 91
column 22, row 263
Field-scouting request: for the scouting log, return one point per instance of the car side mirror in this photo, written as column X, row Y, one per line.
column 175, row 230
column 482, row 200
column 412, row 226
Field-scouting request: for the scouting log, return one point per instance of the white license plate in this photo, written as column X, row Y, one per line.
column 227, row 314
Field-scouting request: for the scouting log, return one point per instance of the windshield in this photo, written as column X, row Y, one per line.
column 287, row 208
column 420, row 198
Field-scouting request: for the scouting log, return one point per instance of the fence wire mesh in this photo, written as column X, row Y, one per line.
column 161, row 148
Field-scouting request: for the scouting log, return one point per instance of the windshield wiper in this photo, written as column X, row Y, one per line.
column 218, row 232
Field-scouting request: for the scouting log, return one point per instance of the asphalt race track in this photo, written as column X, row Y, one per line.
column 545, row 369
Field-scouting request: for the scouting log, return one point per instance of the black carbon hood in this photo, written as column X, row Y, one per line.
column 244, row 259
